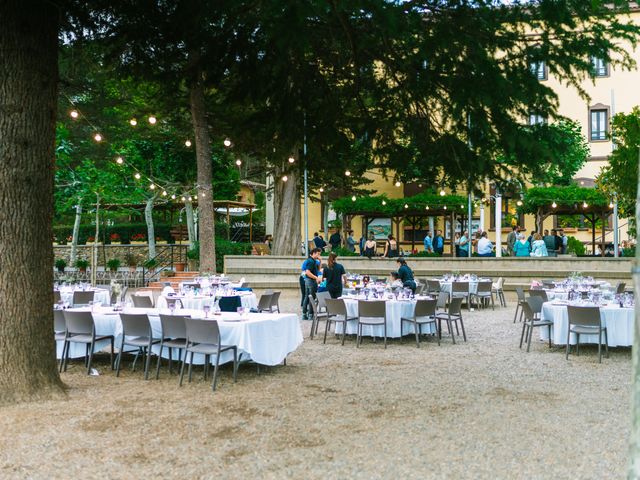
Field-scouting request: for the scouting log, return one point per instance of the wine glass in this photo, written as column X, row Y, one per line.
column 206, row 307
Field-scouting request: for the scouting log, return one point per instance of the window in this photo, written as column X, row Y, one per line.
column 537, row 119
column 599, row 67
column 598, row 124
column 539, row 69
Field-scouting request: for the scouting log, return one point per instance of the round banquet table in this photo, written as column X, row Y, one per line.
column 196, row 302
column 445, row 286
column 619, row 323
column 100, row 295
column 396, row 309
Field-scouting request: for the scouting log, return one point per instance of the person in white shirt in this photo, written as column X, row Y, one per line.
column 485, row 247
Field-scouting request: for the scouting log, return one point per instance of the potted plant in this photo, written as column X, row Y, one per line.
column 132, row 261
column 151, row 264
column 193, row 256
column 138, row 238
column 60, row 264
column 113, row 264
column 114, row 237
column 82, row 264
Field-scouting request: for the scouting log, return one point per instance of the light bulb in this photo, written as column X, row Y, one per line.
column 119, row 160
column 183, row 199
column 442, row 193
column 74, row 114
column 189, row 198
column 384, row 202
column 173, row 197
column 238, row 162
column 152, row 186
column 133, row 122
column 445, row 207
column 137, row 176
column 353, row 198
column 519, row 203
column 321, row 190
column 610, row 204
column 584, row 205
column 419, row 185
column 291, row 159
column 97, row 137
column 406, row 206
column 152, row 120
column 164, row 193
column 427, row 207
column 203, row 195
column 347, row 173
column 398, row 184
column 461, row 206
column 187, row 143
column 483, row 200
column 554, row 205
column 285, row 178
column 227, row 142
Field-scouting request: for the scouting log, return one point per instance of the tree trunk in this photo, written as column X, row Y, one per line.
column 206, row 223
column 191, row 230
column 28, row 94
column 151, row 234
column 634, row 444
column 287, row 234
column 94, row 249
column 74, row 237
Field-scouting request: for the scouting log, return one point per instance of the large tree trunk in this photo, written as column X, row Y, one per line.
column 151, row 233
column 28, row 92
column 191, row 229
column 634, row 450
column 286, row 206
column 76, row 232
column 206, row 225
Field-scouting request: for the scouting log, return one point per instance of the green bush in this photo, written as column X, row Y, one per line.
column 425, row 254
column 60, row 264
column 575, row 246
column 629, row 252
column 113, row 264
column 223, row 247
column 341, row 252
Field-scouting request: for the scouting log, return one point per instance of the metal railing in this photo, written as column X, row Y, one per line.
column 165, row 260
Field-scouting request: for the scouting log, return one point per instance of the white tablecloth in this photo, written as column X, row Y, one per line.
column 619, row 323
column 100, row 295
column 396, row 309
column 265, row 338
column 247, row 299
column 445, row 286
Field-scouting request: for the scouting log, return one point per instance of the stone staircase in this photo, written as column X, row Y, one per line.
column 175, row 282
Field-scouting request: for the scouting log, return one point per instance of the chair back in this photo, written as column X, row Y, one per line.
column 229, row 304
column 372, row 309
column 56, row 296
column 425, row 308
column 460, row 287
column 173, row 301
column 322, row 297
column 528, row 311
column 535, row 303
column 587, row 316
column 455, row 306
column 619, row 289
column 191, row 285
column 314, row 306
column 202, row 331
column 83, row 298
column 484, row 287
column 420, row 288
column 275, row 299
column 79, row 323
column 123, row 294
column 142, row 301
column 135, row 325
column 443, row 297
column 500, row 283
column 433, row 286
column 173, row 326
column 265, row 302
column 520, row 294
column 59, row 324
column 336, row 306
column 548, row 284
column 539, row 293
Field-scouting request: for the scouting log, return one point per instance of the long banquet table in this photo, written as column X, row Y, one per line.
column 100, row 295
column 619, row 323
column 265, row 338
column 196, row 302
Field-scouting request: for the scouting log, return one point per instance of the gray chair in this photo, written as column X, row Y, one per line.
column 142, row 301
column 275, row 302
column 203, row 336
column 56, row 297
column 80, row 328
column 322, row 296
column 81, row 298
column 174, row 335
column 521, row 300
column 539, row 293
column 452, row 316
column 620, row 288
column 587, row 321
column 532, row 309
column 264, row 303
column 229, row 304
column 461, row 290
column 317, row 316
column 424, row 314
column 59, row 331
column 136, row 332
column 337, row 313
column 549, row 284
column 420, row 289
column 498, row 289
column 372, row 313
column 484, row 293
column 433, row 286
column 173, row 302
column 443, row 300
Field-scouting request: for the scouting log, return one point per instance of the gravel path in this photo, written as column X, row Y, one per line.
column 484, row 409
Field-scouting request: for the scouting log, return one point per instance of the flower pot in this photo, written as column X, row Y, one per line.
column 180, row 266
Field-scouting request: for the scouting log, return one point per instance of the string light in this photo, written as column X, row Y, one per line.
column 347, row 173
column 291, row 159
column 173, row 197
column 554, row 205
column 419, row 185
column 285, row 178
column 584, row 205
column 164, row 193
column 203, row 195
column 442, row 193
column 74, row 114
column 406, row 206
column 384, row 202
column 321, row 190
column 611, row 204
column 519, row 203
column 152, row 186
column 183, row 199
column 445, row 207
column 133, row 122
column 427, row 207
column 187, row 143
column 137, row 176
column 353, row 198
column 227, row 142
column 238, row 162
column 152, row 120
column 189, row 198
column 97, row 137
column 398, row 184
column 119, row 160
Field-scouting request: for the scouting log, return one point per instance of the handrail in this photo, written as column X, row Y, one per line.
column 611, row 232
column 167, row 257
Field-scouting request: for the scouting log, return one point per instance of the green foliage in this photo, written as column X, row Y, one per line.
column 620, row 176
column 425, row 254
column 60, row 264
column 223, row 247
column 82, row 263
column 113, row 264
column 575, row 246
column 396, row 206
column 194, row 252
column 629, row 252
column 131, row 259
column 150, row 264
column 543, row 197
column 341, row 252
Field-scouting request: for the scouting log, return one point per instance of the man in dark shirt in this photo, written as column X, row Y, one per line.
column 438, row 242
column 311, row 279
column 558, row 241
column 318, row 241
column 335, row 240
column 550, row 243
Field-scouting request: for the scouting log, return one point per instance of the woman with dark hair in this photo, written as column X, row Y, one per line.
column 335, row 276
column 405, row 274
column 391, row 247
column 370, row 247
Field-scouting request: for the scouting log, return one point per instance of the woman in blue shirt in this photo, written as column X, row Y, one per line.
column 405, row 274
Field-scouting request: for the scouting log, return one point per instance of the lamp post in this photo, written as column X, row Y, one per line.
column 498, row 223
column 306, row 193
column 616, row 240
column 469, row 222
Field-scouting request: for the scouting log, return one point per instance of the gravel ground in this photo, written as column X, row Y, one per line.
column 484, row 409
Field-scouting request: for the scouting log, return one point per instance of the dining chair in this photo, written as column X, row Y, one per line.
column 433, row 286
column 483, row 293
column 620, row 288
column 142, row 301
column 532, row 310
column 372, row 313
column 521, row 300
column 82, row 298
column 174, row 335
column 461, row 290
column 452, row 316
column 337, row 313
column 539, row 293
column 59, row 332
column 81, row 328
column 56, row 297
column 173, row 302
column 275, row 302
column 424, row 314
column 136, row 332
column 264, row 303
column 229, row 304
column 586, row 321
column 498, row 289
column 317, row 315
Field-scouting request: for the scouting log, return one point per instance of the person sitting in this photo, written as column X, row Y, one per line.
column 538, row 248
column 521, row 247
column 485, row 247
column 395, row 280
column 391, row 247
column 464, row 244
column 370, row 247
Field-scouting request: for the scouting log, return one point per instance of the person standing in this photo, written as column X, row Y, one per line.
column 335, row 240
column 318, row 241
column 311, row 280
column 485, row 247
column 464, row 244
column 351, row 242
column 558, row 242
column 565, row 240
column 428, row 244
column 521, row 248
column 335, row 276
column 438, row 243
column 538, row 248
column 511, row 240
column 391, row 247
column 405, row 274
column 550, row 243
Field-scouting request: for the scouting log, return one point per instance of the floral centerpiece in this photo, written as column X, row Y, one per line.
column 116, row 289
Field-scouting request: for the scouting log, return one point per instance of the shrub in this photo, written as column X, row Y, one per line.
column 341, row 252
column 60, row 264
column 575, row 246
column 113, row 264
column 425, row 254
column 82, row 263
column 629, row 252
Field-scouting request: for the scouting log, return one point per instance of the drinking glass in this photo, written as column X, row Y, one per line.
column 206, row 308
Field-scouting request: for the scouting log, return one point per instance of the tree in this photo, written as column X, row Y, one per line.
column 28, row 94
